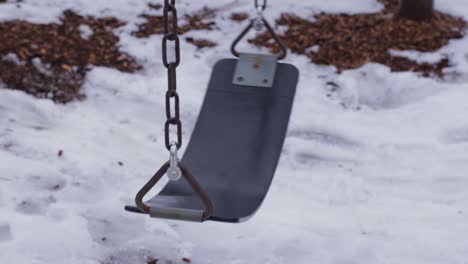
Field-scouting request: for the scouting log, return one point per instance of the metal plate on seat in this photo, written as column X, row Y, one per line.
column 235, row 145
column 255, row 70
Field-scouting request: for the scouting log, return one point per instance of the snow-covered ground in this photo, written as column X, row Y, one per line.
column 375, row 171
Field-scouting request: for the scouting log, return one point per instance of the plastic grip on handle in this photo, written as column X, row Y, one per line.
column 177, row 214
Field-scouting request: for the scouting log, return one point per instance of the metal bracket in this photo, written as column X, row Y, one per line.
column 255, row 70
column 173, row 213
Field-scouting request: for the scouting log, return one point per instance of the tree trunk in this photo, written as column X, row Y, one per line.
column 416, row 9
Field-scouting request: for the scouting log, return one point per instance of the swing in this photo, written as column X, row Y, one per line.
column 237, row 139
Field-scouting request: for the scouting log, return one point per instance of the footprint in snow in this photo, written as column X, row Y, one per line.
column 36, row 206
column 132, row 256
column 20, row 150
column 126, row 236
column 5, row 233
column 455, row 136
column 339, row 93
column 51, row 183
column 324, row 137
column 107, row 231
column 111, row 229
column 309, row 158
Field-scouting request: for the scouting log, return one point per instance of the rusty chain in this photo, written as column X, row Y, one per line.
column 172, row 97
column 174, row 169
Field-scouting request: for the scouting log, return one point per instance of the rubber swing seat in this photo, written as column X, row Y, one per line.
column 235, row 145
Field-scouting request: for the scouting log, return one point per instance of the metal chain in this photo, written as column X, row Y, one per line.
column 172, row 97
column 258, row 21
column 258, row 24
column 260, row 5
column 174, row 169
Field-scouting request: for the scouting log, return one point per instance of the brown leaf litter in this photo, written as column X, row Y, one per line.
column 239, row 17
column 201, row 43
column 202, row 19
column 51, row 60
column 350, row 41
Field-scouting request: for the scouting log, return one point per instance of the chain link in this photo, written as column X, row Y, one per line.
column 260, row 5
column 172, row 97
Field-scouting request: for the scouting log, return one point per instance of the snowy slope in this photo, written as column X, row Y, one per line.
column 374, row 172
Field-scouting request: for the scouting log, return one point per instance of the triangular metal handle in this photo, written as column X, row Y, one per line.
column 174, row 213
column 278, row 41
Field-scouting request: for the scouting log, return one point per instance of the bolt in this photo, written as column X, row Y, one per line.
column 265, row 81
column 240, row 78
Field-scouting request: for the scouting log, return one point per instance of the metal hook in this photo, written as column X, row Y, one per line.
column 258, row 20
column 173, row 172
column 283, row 50
column 257, row 23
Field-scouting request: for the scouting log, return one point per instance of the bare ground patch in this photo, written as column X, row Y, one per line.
column 51, row 60
column 202, row 19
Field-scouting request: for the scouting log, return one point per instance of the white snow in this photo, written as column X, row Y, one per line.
column 41, row 67
column 418, row 56
column 86, row 31
column 5, row 233
column 12, row 58
column 351, row 7
column 374, row 168
column 315, row 48
column 455, row 7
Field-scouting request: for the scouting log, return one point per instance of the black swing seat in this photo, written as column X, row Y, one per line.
column 235, row 145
